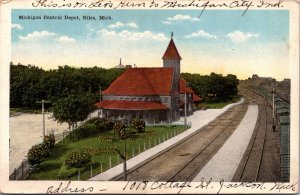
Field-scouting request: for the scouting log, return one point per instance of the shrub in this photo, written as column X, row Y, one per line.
column 138, row 124
column 65, row 173
column 77, row 159
column 106, row 139
column 86, row 130
column 119, row 130
column 36, row 153
column 49, row 141
column 93, row 126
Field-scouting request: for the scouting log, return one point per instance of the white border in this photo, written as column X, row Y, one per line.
column 116, row 187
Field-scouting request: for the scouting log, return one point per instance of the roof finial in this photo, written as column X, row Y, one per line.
column 172, row 34
column 120, row 61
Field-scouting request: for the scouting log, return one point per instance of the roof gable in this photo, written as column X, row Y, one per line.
column 142, row 81
column 184, row 88
column 171, row 53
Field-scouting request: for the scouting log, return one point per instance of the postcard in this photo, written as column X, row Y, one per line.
column 154, row 97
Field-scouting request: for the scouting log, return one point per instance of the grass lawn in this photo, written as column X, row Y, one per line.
column 50, row 167
column 218, row 105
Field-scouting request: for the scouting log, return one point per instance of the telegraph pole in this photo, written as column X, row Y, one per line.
column 124, row 163
column 100, row 99
column 185, row 121
column 100, row 93
column 123, row 156
column 273, row 93
column 43, row 113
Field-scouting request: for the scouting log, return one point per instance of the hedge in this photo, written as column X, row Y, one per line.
column 77, row 159
column 36, row 153
column 93, row 127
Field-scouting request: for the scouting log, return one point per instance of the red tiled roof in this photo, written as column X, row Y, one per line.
column 171, row 52
column 196, row 98
column 130, row 105
column 142, row 81
column 184, row 88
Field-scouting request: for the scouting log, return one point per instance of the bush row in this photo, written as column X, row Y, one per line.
column 37, row 152
column 98, row 151
column 93, row 127
column 76, row 161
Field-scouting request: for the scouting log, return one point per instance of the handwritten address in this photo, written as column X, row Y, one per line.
column 202, row 5
column 177, row 187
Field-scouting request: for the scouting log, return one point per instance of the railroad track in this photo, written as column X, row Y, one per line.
column 250, row 165
column 190, row 159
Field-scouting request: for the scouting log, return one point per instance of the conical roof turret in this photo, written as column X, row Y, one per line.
column 171, row 53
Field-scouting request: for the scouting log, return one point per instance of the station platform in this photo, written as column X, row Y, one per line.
column 225, row 162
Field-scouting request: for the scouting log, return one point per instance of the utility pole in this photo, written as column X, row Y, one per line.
column 100, row 99
column 100, row 93
column 43, row 113
column 123, row 157
column 185, row 121
column 273, row 93
column 124, row 161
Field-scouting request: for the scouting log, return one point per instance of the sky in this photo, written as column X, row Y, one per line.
column 220, row 41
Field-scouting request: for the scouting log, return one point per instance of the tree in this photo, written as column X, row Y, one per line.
column 213, row 88
column 30, row 83
column 72, row 109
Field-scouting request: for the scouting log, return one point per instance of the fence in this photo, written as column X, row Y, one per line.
column 61, row 136
column 164, row 123
column 132, row 151
column 22, row 172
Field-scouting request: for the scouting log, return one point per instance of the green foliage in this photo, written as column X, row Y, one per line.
column 25, row 87
column 49, row 141
column 77, row 159
column 51, row 165
column 36, row 153
column 65, row 172
column 72, row 109
column 213, row 88
column 119, row 130
column 99, row 151
column 93, row 127
column 30, row 83
column 138, row 124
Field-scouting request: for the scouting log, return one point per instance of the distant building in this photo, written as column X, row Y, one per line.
column 154, row 94
column 120, row 65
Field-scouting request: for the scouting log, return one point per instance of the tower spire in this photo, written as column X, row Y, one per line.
column 120, row 61
column 171, row 52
